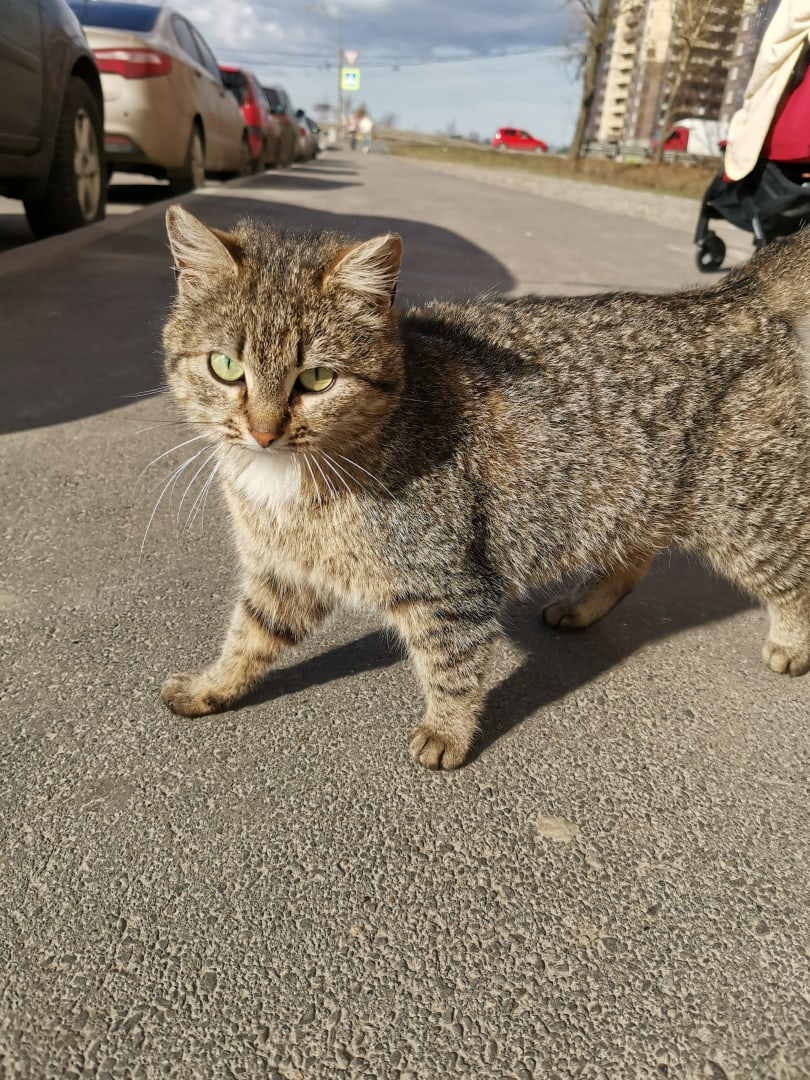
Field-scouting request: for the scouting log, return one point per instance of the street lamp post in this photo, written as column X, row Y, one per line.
column 339, row 67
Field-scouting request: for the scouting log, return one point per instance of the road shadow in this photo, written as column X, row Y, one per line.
column 94, row 320
column 14, row 232
column 368, row 653
column 677, row 595
column 300, row 178
column 133, row 193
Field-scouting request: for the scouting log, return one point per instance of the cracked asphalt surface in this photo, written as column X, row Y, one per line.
column 616, row 886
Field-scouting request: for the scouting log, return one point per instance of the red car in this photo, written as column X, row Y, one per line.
column 516, row 139
column 263, row 128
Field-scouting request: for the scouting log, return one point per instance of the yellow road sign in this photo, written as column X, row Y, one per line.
column 350, row 78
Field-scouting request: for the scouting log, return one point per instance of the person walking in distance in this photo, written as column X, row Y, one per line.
column 353, row 122
column 365, row 127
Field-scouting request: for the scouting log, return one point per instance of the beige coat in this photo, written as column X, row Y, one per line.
column 781, row 47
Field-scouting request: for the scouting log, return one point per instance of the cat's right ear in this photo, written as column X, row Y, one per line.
column 199, row 253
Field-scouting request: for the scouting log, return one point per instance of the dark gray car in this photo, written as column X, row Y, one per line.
column 51, row 117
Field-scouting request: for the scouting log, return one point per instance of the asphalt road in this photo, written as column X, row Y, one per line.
column 616, row 886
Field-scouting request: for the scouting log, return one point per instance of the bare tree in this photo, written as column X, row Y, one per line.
column 586, row 48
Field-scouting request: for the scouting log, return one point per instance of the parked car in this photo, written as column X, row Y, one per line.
column 51, row 117
column 507, row 138
column 280, row 106
column 263, row 127
column 308, row 130
column 168, row 113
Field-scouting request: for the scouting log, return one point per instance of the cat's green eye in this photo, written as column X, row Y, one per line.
column 224, row 368
column 317, row 379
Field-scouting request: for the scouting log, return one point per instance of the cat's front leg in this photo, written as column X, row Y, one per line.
column 268, row 619
column 449, row 648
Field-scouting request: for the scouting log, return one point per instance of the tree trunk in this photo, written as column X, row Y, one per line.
column 596, row 42
column 672, row 101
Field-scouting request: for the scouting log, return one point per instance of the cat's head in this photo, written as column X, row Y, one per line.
column 283, row 343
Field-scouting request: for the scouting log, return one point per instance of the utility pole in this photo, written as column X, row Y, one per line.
column 339, row 70
column 334, row 10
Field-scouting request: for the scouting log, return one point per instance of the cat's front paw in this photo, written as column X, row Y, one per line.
column 437, row 750
column 191, row 693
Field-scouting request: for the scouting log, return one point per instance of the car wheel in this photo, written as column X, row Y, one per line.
column 76, row 194
column 245, row 166
column 711, row 253
column 256, row 164
column 191, row 175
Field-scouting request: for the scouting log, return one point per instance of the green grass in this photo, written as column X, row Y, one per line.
column 689, row 181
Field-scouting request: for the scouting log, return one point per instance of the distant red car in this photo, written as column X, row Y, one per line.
column 263, row 128
column 516, row 139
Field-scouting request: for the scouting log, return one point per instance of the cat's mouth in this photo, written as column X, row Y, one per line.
column 263, row 442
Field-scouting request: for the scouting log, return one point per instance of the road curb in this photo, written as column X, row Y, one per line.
column 39, row 252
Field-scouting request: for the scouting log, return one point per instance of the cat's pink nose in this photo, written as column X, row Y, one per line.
column 264, row 438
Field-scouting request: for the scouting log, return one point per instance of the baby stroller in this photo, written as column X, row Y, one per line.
column 773, row 198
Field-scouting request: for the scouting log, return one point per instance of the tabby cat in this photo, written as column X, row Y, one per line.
column 431, row 464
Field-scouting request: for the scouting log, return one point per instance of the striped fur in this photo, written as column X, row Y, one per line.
column 467, row 453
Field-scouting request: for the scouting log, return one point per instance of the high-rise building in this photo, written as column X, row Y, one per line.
column 615, row 77
column 756, row 15
column 642, row 64
column 649, row 73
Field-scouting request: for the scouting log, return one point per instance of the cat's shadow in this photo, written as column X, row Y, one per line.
column 677, row 595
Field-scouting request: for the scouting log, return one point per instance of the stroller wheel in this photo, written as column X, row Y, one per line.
column 711, row 253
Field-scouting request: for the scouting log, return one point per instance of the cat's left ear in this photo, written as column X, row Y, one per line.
column 370, row 268
column 199, row 253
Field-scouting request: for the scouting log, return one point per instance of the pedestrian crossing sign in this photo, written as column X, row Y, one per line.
column 350, row 78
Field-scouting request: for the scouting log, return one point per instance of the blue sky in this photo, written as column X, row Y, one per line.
column 436, row 65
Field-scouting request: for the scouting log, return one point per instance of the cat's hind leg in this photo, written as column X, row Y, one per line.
column 787, row 649
column 266, row 621
column 588, row 602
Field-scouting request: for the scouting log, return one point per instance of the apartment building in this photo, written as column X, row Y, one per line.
column 639, row 65
column 756, row 15
column 615, row 77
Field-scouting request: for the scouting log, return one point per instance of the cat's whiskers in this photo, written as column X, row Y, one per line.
column 154, row 392
column 371, row 475
column 160, row 457
column 190, row 484
column 202, row 496
column 174, row 476
column 341, row 474
column 327, row 481
column 312, row 476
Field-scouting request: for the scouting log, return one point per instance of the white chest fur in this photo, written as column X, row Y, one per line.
column 269, row 479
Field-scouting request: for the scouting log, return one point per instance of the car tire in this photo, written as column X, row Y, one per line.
column 191, row 174
column 255, row 165
column 76, row 193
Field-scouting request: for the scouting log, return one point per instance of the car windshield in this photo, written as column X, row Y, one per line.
column 138, row 17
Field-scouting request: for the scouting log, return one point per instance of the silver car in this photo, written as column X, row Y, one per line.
column 167, row 111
